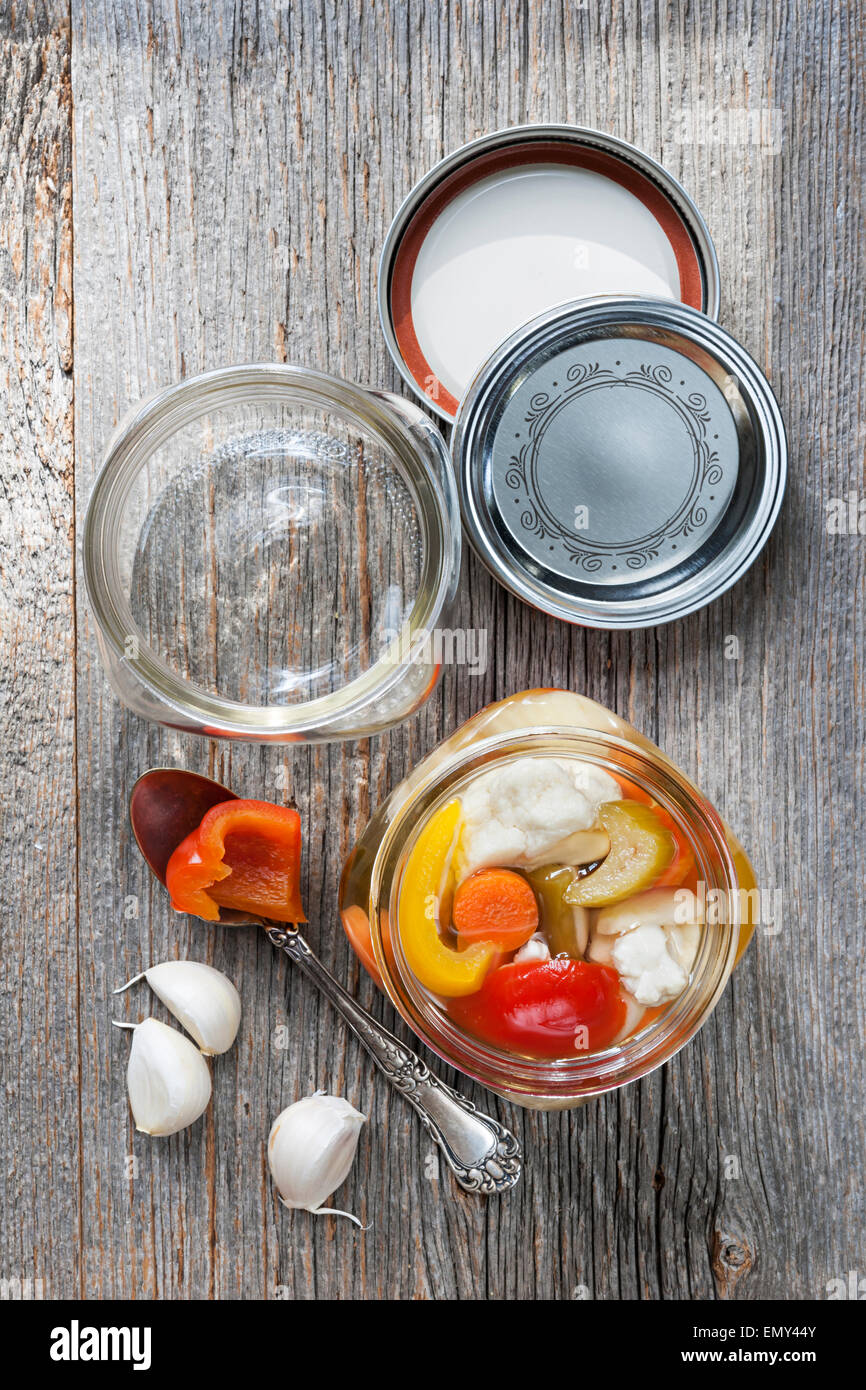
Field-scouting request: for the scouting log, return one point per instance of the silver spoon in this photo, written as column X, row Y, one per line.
column 166, row 804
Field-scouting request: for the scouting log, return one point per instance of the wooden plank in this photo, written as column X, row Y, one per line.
column 39, row 1168
column 234, row 178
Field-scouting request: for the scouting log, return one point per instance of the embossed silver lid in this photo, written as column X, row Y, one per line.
column 621, row 461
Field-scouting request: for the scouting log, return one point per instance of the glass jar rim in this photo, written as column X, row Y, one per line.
column 153, row 420
column 583, row 1076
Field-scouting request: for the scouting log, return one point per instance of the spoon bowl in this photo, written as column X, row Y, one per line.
column 167, row 804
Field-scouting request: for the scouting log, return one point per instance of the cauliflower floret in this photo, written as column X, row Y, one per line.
column 520, row 813
column 675, row 913
column 648, row 969
column 596, row 784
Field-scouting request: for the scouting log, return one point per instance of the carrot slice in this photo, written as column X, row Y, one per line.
column 356, row 925
column 495, row 905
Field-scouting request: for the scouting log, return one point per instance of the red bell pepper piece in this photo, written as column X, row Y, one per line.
column 244, row 855
column 554, row 1008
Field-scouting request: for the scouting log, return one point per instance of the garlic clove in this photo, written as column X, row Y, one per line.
column 201, row 998
column 634, row 1012
column 600, row 950
column 660, row 907
column 536, row 948
column 683, row 942
column 311, row 1148
column 167, row 1079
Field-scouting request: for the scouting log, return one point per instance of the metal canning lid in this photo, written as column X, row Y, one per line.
column 621, row 461
column 521, row 220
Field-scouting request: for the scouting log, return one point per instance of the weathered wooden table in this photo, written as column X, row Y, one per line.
column 187, row 185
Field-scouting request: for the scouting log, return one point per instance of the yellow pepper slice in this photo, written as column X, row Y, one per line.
column 426, row 877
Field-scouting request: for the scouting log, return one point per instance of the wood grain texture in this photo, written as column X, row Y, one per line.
column 39, row 1168
column 234, row 176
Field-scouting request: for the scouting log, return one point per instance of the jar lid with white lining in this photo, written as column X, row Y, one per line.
column 517, row 222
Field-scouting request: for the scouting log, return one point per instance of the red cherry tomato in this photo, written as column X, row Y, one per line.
column 553, row 1008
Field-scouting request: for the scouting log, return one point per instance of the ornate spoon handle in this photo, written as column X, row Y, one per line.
column 481, row 1153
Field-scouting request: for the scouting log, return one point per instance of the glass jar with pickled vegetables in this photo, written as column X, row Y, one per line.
column 550, row 904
